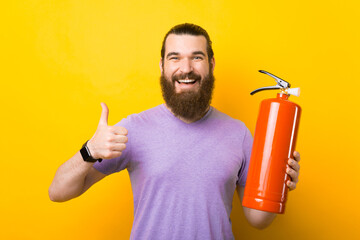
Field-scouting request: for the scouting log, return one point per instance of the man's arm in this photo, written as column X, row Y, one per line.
column 258, row 219
column 75, row 176
column 261, row 219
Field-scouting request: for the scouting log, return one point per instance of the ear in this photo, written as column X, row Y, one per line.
column 212, row 64
column 161, row 65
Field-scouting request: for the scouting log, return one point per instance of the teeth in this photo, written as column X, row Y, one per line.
column 187, row 80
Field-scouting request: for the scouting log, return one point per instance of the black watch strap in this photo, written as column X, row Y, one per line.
column 86, row 155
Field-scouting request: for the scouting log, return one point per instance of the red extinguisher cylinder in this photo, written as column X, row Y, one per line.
column 274, row 143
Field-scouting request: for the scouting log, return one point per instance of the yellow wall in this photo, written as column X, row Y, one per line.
column 60, row 59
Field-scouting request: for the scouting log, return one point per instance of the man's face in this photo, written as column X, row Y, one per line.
column 186, row 75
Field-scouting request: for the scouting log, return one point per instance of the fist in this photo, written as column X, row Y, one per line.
column 108, row 141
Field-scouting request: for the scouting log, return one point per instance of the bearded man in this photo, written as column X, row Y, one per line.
column 185, row 159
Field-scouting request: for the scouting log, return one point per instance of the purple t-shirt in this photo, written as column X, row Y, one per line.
column 183, row 176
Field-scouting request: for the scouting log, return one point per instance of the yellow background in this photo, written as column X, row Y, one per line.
column 60, row 59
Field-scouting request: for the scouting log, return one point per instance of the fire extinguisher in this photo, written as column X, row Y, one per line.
column 274, row 143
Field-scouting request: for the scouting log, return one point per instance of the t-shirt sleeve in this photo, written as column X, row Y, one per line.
column 247, row 146
column 109, row 166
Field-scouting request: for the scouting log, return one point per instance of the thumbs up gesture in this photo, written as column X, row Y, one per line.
column 108, row 141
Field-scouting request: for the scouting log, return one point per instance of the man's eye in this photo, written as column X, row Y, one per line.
column 174, row 58
column 198, row 58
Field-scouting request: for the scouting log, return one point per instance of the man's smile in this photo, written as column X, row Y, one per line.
column 186, row 85
column 186, row 81
column 190, row 81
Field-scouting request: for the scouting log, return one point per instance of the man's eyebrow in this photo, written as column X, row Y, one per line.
column 171, row 54
column 177, row 54
column 199, row 52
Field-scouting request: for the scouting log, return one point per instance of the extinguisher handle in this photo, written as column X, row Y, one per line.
column 280, row 82
column 265, row 88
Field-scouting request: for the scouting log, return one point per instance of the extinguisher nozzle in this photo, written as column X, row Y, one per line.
column 293, row 91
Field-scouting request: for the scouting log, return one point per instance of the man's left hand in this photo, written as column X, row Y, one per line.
column 292, row 170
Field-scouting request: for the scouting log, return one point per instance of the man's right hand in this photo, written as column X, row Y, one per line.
column 108, row 141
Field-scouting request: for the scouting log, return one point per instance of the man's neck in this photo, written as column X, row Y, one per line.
column 186, row 120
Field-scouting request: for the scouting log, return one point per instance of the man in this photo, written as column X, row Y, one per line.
column 185, row 158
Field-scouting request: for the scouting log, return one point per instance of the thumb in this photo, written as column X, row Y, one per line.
column 104, row 115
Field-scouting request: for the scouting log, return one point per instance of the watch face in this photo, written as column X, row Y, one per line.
column 86, row 155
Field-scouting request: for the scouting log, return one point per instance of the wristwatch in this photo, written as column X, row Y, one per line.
column 86, row 155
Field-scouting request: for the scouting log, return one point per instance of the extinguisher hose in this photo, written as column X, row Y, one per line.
column 264, row 88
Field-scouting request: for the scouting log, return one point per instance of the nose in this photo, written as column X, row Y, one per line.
column 186, row 66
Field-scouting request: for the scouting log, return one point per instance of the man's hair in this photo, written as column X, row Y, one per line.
column 189, row 29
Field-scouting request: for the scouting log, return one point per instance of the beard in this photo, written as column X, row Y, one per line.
column 190, row 105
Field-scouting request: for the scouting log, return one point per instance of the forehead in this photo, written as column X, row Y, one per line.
column 185, row 44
